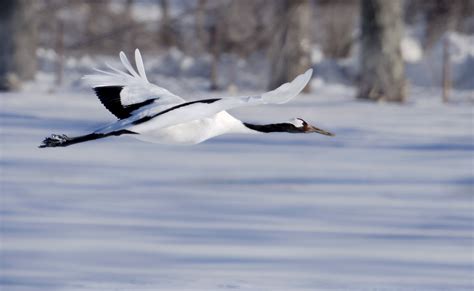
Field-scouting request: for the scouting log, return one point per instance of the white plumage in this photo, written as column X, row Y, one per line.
column 151, row 113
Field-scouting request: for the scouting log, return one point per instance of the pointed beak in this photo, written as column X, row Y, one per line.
column 318, row 130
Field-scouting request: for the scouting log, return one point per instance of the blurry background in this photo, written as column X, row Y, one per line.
column 386, row 204
column 225, row 44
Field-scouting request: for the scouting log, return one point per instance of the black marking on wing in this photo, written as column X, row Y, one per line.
column 109, row 96
column 147, row 118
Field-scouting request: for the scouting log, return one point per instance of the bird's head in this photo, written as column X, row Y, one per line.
column 295, row 125
column 298, row 125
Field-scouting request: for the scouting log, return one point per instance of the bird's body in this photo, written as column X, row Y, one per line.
column 193, row 132
column 151, row 113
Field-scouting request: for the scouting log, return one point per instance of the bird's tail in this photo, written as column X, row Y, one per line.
column 62, row 140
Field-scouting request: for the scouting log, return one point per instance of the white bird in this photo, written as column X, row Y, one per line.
column 151, row 113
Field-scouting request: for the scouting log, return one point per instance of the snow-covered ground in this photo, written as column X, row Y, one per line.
column 387, row 204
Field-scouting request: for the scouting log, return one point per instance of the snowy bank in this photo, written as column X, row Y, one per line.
column 386, row 204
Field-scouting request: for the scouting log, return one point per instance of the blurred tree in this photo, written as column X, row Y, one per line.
column 382, row 69
column 200, row 25
column 97, row 21
column 128, row 34
column 437, row 17
column 215, row 32
column 292, row 45
column 441, row 16
column 18, row 43
column 166, row 31
column 240, row 26
column 334, row 22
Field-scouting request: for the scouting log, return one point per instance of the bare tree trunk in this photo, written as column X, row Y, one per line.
column 382, row 68
column 200, row 18
column 335, row 21
column 60, row 51
column 93, row 27
column 166, row 35
column 18, row 43
column 215, row 32
column 129, row 33
column 291, row 50
column 446, row 70
column 442, row 16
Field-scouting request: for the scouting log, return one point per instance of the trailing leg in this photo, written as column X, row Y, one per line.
column 62, row 140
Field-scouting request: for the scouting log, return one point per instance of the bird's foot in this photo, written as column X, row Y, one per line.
column 55, row 140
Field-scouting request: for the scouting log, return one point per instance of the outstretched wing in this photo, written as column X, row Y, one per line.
column 164, row 116
column 280, row 95
column 194, row 110
column 123, row 92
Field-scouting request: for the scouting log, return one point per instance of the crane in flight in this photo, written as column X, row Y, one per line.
column 151, row 113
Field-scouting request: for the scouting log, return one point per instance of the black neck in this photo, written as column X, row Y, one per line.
column 274, row 127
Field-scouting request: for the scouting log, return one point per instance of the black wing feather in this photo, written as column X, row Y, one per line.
column 109, row 96
column 146, row 118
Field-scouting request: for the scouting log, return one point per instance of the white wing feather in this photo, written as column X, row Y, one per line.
column 127, row 65
column 287, row 91
column 117, row 71
column 280, row 95
column 136, row 87
column 140, row 66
